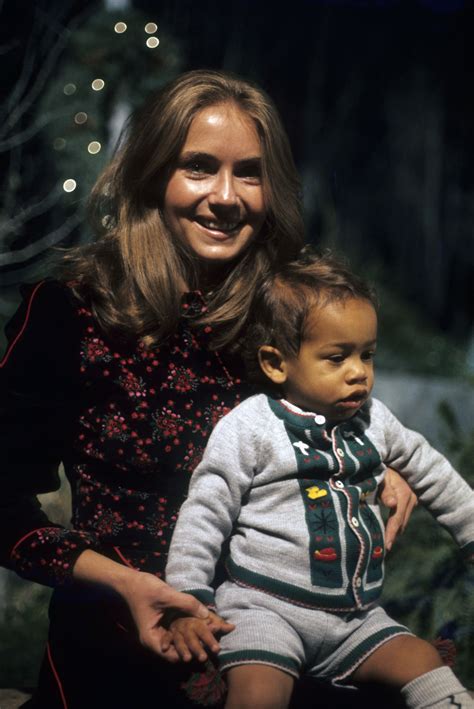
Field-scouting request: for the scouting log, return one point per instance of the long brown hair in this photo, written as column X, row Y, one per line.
column 133, row 274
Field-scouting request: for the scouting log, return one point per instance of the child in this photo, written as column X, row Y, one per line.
column 292, row 479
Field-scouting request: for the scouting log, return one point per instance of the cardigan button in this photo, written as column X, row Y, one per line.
column 339, row 483
column 320, row 419
column 340, row 452
column 355, row 521
column 357, row 582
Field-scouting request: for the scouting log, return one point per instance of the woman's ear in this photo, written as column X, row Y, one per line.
column 272, row 363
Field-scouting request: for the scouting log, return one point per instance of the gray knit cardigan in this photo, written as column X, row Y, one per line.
column 299, row 503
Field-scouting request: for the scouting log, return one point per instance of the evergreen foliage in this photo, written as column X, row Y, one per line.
column 123, row 69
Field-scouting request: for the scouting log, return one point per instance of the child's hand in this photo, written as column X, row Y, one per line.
column 191, row 635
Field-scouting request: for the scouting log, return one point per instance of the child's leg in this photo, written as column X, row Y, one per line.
column 414, row 666
column 258, row 687
column 398, row 661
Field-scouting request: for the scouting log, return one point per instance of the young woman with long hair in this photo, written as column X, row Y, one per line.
column 120, row 368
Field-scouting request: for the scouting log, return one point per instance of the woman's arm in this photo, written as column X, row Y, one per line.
column 397, row 495
column 146, row 596
column 38, row 393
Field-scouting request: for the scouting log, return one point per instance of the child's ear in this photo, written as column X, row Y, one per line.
column 272, row 363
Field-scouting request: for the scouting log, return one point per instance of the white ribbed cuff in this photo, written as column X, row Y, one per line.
column 431, row 688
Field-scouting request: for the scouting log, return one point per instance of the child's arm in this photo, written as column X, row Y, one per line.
column 438, row 485
column 206, row 519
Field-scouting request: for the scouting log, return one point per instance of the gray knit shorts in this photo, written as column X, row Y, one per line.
column 298, row 640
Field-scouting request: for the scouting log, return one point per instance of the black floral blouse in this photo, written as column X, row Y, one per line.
column 129, row 424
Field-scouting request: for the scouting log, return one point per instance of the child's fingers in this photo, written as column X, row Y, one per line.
column 221, row 627
column 216, row 624
column 194, row 643
column 181, row 646
column 206, row 637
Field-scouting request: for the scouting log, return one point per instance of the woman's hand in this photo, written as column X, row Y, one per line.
column 146, row 596
column 397, row 495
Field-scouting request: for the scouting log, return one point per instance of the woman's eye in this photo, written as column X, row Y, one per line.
column 249, row 171
column 197, row 167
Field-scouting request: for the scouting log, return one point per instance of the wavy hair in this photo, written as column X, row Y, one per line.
column 133, row 274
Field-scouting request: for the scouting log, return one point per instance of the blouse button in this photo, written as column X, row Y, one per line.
column 320, row 419
column 355, row 521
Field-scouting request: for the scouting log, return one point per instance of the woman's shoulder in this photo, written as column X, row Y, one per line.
column 44, row 327
column 45, row 300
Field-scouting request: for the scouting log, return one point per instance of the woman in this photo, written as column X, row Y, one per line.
column 121, row 368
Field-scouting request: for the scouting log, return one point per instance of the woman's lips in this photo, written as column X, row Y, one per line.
column 219, row 229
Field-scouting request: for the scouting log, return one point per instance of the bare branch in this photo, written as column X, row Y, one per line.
column 11, row 226
column 23, row 136
column 55, row 237
column 24, row 95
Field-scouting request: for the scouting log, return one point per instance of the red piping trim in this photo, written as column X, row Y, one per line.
column 125, row 561
column 302, row 414
column 23, row 327
column 25, row 536
column 56, row 676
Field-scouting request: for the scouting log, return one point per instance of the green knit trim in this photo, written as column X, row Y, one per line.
column 244, row 657
column 287, row 592
column 202, row 595
column 352, row 661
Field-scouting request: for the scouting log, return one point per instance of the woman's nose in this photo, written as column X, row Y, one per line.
column 224, row 190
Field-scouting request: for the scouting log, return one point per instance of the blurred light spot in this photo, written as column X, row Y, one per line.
column 152, row 42
column 94, row 147
column 70, row 89
column 98, row 84
column 69, row 185
column 59, row 144
column 151, row 27
column 120, row 27
column 80, row 118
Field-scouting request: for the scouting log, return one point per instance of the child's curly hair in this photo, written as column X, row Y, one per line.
column 285, row 298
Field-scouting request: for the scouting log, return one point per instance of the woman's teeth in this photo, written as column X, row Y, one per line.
column 219, row 226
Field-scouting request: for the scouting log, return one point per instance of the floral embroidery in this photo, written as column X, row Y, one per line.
column 140, row 429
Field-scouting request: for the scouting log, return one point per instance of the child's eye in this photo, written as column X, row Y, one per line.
column 368, row 356
column 336, row 358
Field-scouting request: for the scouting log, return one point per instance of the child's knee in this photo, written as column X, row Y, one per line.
column 399, row 661
column 258, row 687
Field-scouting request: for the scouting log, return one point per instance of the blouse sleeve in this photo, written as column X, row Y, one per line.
column 38, row 396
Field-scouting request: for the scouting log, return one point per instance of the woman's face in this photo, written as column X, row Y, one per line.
column 214, row 198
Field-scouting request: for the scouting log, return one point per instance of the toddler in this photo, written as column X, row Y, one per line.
column 291, row 476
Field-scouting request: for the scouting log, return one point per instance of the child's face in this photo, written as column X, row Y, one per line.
column 333, row 373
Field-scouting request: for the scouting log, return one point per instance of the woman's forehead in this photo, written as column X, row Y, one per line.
column 220, row 126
